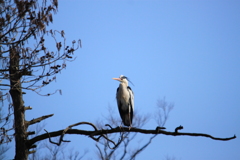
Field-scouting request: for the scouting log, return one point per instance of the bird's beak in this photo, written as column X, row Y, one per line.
column 118, row 79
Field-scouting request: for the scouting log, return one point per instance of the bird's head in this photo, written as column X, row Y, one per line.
column 123, row 79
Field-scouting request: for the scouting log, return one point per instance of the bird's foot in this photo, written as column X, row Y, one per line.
column 121, row 127
column 129, row 127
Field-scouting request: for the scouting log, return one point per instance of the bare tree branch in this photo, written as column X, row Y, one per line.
column 37, row 120
column 143, row 147
column 119, row 130
column 99, row 151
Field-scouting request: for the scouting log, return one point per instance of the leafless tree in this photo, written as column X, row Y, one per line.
column 120, row 150
column 123, row 149
column 27, row 64
column 53, row 152
column 163, row 110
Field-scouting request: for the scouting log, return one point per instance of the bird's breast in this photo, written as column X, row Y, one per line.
column 123, row 96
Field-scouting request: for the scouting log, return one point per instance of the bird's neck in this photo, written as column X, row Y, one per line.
column 123, row 86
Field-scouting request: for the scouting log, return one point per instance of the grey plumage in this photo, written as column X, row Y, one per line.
column 125, row 100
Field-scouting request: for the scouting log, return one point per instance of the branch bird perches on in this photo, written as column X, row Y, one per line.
column 104, row 132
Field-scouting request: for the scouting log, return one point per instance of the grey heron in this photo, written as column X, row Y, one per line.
column 125, row 100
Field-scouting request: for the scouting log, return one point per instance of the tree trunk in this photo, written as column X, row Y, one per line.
column 21, row 150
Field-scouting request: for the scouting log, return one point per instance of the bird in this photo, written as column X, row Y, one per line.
column 125, row 100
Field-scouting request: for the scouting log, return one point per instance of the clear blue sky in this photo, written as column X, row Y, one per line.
column 186, row 51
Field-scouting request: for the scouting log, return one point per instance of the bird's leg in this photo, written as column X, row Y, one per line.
column 121, row 126
column 130, row 122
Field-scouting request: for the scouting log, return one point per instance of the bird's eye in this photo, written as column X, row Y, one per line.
column 123, row 77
